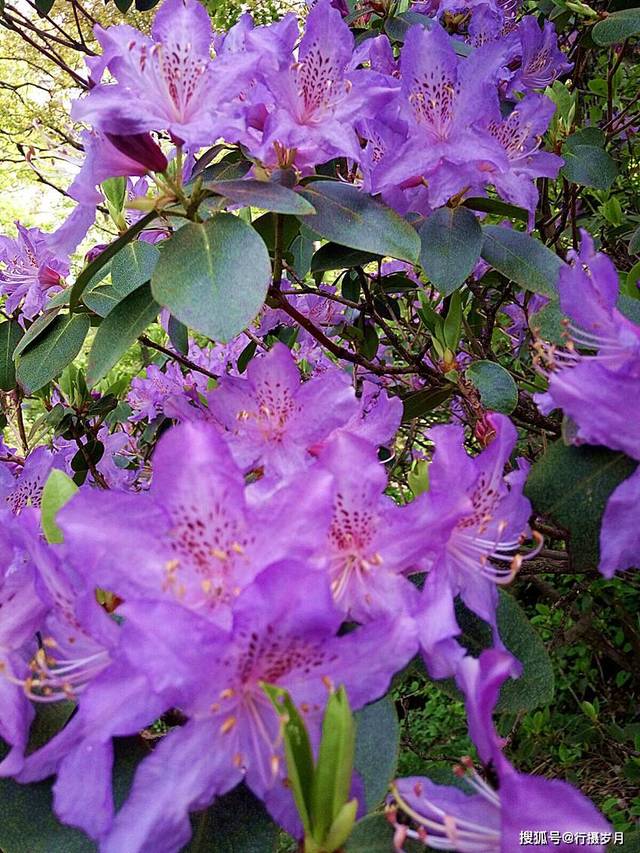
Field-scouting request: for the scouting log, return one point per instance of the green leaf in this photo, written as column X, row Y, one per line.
column 54, row 349
column 331, row 256
column 34, row 331
column 235, row 823
column 213, row 276
column 123, row 5
column 115, row 192
column 451, row 239
column 178, row 335
column 377, row 746
column 227, row 169
column 102, row 299
column 571, row 486
column 133, row 266
column 497, row 388
column 425, row 400
column 585, row 160
column 396, row 28
column 547, row 322
column 497, row 207
column 10, row 334
column 334, row 767
column 536, row 685
column 634, row 242
column 352, row 218
column 105, row 256
column 300, row 765
column 522, row 259
column 374, row 834
column 263, row 194
column 617, row 27
column 119, row 330
column 453, row 323
column 58, row 489
column 44, row 7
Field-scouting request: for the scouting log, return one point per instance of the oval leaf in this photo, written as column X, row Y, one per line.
column 589, row 165
column 571, row 485
column 617, row 27
column 352, row 218
column 522, row 259
column 374, row 834
column 105, row 256
column 54, row 349
column 376, row 724
column 213, row 276
column 119, row 330
column 102, row 299
column 58, row 489
column 263, row 194
column 34, row 331
column 132, row 266
column 10, row 334
column 496, row 386
column 451, row 239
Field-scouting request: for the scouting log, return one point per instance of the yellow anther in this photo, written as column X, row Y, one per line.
column 228, row 724
column 227, row 693
column 219, row 553
column 237, row 547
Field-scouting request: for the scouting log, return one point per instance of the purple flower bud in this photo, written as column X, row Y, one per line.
column 141, row 148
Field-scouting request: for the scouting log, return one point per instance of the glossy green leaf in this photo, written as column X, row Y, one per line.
column 451, row 239
column 496, row 207
column 376, row 724
column 334, row 765
column 10, row 334
column 119, row 330
column 236, row 823
column 617, row 27
column 497, row 388
column 425, row 400
column 522, row 259
column 213, row 276
column 350, row 217
column 571, row 486
column 58, row 489
column 115, row 192
column 300, row 763
column 585, row 160
column 227, row 169
column 133, row 266
column 263, row 194
column 88, row 273
column 59, row 344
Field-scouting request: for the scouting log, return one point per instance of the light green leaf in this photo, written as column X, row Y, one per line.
column 617, row 27
column 58, row 489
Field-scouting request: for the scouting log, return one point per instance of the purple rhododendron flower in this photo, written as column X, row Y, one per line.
column 194, row 536
column 541, row 60
column 371, row 541
column 166, row 82
column 476, row 517
column 25, row 489
column 30, row 272
column 595, row 381
column 491, row 819
column 284, row 633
